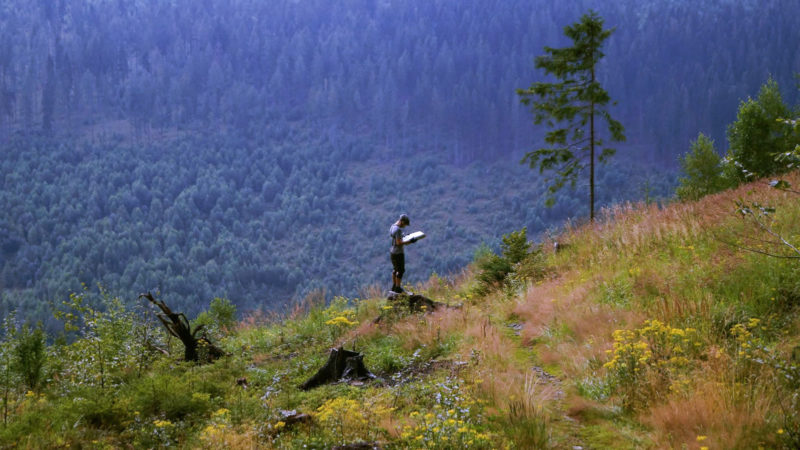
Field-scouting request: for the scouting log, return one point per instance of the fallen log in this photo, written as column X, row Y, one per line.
column 197, row 349
column 341, row 365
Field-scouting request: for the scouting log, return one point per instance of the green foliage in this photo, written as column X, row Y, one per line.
column 702, row 171
column 618, row 292
column 757, row 136
column 791, row 158
column 515, row 246
column 650, row 361
column 29, row 355
column 445, row 415
column 173, row 396
column 492, row 272
column 528, row 424
column 113, row 343
column 384, row 356
column 576, row 101
column 518, row 257
column 220, row 318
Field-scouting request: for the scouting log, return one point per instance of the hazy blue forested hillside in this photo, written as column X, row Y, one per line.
column 441, row 72
column 257, row 150
column 258, row 225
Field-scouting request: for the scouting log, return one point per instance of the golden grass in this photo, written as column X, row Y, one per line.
column 719, row 411
column 416, row 331
column 503, row 380
column 635, row 229
column 577, row 328
column 568, row 328
column 230, row 437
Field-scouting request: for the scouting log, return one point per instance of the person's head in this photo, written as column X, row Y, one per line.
column 403, row 220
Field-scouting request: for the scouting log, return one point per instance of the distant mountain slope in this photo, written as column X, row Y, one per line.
column 438, row 72
column 199, row 217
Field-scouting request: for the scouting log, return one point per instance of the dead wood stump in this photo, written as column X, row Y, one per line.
column 197, row 349
column 341, row 364
column 415, row 302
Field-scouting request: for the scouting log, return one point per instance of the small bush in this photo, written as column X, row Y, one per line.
column 702, row 168
column 651, row 361
column 493, row 270
column 220, row 317
column 29, row 355
column 171, row 396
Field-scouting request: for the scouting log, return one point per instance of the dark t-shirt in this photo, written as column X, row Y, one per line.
column 396, row 232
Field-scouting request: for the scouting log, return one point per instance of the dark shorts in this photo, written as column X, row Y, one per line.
column 398, row 263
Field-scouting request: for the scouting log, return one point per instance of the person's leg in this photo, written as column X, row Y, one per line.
column 394, row 272
column 398, row 267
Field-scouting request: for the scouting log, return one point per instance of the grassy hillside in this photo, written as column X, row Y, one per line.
column 645, row 330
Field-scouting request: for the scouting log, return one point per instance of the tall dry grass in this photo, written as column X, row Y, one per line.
column 416, row 331
column 634, row 229
column 577, row 329
column 719, row 412
column 568, row 328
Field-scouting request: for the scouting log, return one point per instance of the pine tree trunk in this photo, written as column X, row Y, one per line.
column 591, row 146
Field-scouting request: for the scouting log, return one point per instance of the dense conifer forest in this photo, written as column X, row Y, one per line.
column 260, row 150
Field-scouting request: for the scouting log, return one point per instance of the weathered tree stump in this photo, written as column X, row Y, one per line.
column 178, row 325
column 341, row 364
column 415, row 302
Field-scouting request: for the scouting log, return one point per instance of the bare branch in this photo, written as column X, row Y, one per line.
column 776, row 235
column 753, row 250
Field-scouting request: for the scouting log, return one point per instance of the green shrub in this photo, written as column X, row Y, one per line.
column 111, row 344
column 759, row 134
column 220, row 317
column 173, row 396
column 385, row 355
column 493, row 270
column 651, row 361
column 29, row 355
column 702, row 169
column 515, row 246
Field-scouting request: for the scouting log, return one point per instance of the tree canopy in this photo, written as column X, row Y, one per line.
column 570, row 106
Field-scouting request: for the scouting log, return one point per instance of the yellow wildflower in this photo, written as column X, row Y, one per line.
column 340, row 320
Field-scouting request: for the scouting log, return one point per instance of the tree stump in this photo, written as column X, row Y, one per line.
column 416, row 302
column 341, row 364
column 178, row 325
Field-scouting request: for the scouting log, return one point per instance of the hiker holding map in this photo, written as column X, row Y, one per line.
column 399, row 240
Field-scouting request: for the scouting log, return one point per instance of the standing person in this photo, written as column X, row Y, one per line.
column 397, row 254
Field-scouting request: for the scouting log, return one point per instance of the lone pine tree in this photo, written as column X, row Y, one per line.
column 569, row 107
